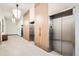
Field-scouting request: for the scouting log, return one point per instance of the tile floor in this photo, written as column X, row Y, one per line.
column 17, row 46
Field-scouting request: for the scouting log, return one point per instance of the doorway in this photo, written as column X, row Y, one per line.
column 62, row 33
column 21, row 30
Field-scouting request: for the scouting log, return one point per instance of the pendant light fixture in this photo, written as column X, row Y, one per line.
column 16, row 13
column 13, row 20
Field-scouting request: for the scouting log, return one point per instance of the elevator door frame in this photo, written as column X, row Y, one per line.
column 59, row 15
column 0, row 32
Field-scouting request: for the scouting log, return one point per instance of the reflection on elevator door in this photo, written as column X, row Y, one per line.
column 62, row 33
column 31, row 31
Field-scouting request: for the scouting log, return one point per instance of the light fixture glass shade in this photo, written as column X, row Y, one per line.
column 13, row 20
column 16, row 13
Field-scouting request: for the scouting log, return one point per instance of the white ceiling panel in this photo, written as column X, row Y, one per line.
column 6, row 8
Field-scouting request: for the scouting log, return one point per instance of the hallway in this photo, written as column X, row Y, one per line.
column 38, row 29
column 17, row 46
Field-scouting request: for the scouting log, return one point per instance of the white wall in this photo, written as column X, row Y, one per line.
column 32, row 16
column 10, row 28
column 1, row 17
column 77, row 30
column 19, row 27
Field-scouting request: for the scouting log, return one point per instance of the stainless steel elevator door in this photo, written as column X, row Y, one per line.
column 62, row 25
column 31, row 32
column 56, row 25
column 68, row 35
column 63, row 38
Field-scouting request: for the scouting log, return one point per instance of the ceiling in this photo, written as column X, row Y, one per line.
column 6, row 8
column 53, row 8
column 59, row 7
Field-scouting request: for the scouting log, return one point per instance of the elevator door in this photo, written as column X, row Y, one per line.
column 21, row 30
column 31, row 32
column 68, row 35
column 62, row 33
column 55, row 31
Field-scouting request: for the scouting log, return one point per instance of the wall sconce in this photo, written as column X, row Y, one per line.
column 31, row 21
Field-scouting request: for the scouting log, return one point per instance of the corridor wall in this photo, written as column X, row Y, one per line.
column 10, row 28
column 19, row 25
column 41, row 26
column 26, row 26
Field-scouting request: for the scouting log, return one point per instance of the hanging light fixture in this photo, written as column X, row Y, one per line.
column 16, row 12
column 13, row 20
